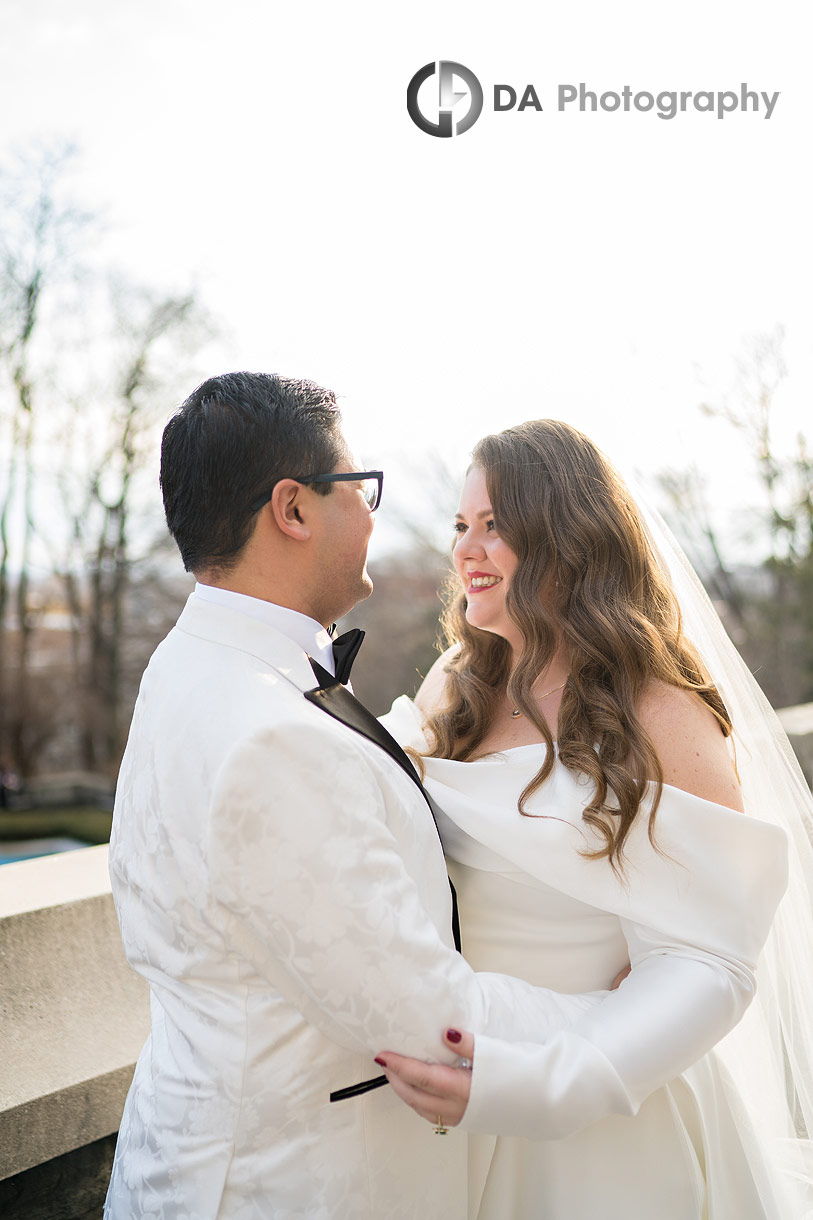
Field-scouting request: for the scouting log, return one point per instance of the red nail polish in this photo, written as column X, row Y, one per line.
column 454, row 1035
column 381, row 1062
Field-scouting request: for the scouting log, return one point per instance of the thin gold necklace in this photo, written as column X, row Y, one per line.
column 516, row 712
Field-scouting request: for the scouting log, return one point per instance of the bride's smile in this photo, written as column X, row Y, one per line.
column 482, row 580
column 483, row 561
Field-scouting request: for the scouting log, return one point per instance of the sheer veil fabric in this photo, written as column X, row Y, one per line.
column 770, row 1053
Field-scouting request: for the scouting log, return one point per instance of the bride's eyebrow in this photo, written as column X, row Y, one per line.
column 487, row 512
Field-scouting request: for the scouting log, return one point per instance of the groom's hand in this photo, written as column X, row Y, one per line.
column 619, row 978
column 438, row 1093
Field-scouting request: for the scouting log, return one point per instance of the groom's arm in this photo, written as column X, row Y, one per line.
column 310, row 888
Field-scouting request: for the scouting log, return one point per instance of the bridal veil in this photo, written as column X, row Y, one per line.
column 770, row 1053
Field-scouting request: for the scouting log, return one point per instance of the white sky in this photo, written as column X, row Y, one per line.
column 607, row 269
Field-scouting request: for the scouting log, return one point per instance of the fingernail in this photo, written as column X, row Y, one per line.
column 381, row 1062
column 454, row 1035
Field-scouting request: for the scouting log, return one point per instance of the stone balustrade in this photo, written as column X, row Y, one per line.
column 73, row 1017
column 798, row 724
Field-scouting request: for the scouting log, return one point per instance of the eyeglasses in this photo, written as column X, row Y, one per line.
column 372, row 482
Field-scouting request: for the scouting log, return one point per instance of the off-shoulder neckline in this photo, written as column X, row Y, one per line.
column 531, row 745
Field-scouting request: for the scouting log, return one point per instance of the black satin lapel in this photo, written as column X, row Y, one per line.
column 338, row 702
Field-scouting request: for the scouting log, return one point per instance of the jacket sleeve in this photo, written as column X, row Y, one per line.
column 310, row 887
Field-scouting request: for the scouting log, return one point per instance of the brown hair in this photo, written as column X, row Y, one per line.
column 575, row 529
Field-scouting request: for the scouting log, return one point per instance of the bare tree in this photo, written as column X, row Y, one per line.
column 768, row 610
column 81, row 428
column 402, row 616
column 685, row 493
column 147, row 325
column 40, row 232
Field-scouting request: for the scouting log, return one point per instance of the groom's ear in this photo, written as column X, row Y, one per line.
column 287, row 504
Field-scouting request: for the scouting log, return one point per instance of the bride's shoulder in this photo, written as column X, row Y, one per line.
column 431, row 696
column 689, row 741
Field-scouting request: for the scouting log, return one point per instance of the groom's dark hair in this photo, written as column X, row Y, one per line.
column 229, row 444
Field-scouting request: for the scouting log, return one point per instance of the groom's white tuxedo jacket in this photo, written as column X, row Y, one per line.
column 280, row 884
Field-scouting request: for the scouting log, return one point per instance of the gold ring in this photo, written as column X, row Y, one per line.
column 440, row 1129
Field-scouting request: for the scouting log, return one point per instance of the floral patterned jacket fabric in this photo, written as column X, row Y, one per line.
column 280, row 885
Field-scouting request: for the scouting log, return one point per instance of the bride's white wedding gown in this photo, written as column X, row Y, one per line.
column 532, row 906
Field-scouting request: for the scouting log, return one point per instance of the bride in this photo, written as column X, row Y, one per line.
column 615, row 790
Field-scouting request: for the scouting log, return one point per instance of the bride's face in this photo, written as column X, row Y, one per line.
column 484, row 563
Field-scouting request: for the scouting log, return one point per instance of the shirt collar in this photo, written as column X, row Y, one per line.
column 311, row 636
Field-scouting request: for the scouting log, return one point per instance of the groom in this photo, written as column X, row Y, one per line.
column 278, row 877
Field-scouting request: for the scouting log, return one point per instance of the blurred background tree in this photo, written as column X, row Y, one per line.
column 767, row 605
column 401, row 618
column 90, row 365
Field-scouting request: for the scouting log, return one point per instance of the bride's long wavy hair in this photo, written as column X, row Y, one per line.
column 575, row 529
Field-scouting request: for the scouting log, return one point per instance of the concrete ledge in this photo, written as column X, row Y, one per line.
column 798, row 724
column 73, row 1015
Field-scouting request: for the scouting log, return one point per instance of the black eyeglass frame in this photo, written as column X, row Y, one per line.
column 346, row 476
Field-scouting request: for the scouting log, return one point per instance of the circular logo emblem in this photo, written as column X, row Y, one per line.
column 446, row 70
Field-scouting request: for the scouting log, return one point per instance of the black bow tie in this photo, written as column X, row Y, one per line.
column 345, row 650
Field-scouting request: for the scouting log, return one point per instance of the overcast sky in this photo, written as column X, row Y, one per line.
column 606, row 268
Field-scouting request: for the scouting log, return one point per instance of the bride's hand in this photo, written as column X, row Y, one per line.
column 438, row 1093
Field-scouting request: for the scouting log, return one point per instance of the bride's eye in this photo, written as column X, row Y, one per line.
column 460, row 527
column 490, row 526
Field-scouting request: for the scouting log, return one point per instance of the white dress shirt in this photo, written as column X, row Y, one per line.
column 302, row 630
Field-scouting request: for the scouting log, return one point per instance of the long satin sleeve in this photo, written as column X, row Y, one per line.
column 695, row 916
column 664, row 1017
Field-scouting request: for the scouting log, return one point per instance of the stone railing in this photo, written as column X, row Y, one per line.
column 798, row 724
column 73, row 1017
